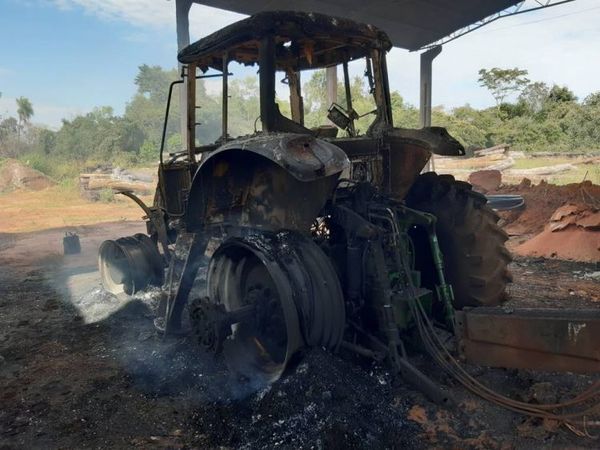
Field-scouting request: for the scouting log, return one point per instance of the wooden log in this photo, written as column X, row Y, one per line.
column 469, row 163
column 546, row 170
column 502, row 165
column 97, row 184
column 495, row 150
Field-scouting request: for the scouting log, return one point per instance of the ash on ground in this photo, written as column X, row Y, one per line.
column 323, row 402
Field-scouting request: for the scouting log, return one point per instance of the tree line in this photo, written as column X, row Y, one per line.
column 529, row 115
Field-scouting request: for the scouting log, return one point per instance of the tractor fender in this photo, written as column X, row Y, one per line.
column 271, row 181
column 436, row 140
column 302, row 155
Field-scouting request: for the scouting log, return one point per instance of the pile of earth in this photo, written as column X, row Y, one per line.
column 16, row 175
column 541, row 201
column 573, row 233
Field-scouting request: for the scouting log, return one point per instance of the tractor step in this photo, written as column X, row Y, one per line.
column 554, row 340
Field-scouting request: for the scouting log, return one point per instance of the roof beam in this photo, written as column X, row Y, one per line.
column 520, row 8
column 411, row 24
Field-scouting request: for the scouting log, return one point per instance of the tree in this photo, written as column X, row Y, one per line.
column 314, row 92
column 24, row 111
column 561, row 94
column 98, row 136
column 46, row 141
column 147, row 107
column 153, row 82
column 535, row 96
column 592, row 100
column 503, row 82
column 8, row 126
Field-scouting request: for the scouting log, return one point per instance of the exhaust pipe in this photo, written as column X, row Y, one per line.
column 130, row 264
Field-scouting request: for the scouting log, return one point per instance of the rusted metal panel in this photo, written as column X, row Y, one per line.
column 542, row 339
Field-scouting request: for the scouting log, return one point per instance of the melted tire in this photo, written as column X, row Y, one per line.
column 475, row 257
column 299, row 276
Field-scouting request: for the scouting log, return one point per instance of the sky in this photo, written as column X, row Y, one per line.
column 69, row 56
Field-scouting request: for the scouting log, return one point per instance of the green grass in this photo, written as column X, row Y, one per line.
column 107, row 195
column 582, row 172
column 57, row 169
column 532, row 163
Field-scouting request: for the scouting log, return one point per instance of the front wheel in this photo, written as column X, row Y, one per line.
column 475, row 257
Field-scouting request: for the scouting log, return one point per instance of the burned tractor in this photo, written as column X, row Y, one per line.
column 295, row 237
column 307, row 238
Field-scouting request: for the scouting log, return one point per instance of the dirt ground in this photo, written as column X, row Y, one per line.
column 58, row 207
column 80, row 369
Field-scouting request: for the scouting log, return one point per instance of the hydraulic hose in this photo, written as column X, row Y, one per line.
column 448, row 363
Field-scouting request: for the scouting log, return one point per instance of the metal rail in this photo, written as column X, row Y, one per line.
column 519, row 8
column 168, row 108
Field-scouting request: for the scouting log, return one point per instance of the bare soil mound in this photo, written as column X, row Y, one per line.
column 15, row 175
column 573, row 233
column 542, row 200
column 486, row 180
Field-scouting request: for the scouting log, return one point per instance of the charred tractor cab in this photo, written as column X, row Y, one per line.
column 295, row 237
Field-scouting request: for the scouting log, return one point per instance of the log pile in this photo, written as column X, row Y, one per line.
column 493, row 158
column 91, row 185
column 500, row 158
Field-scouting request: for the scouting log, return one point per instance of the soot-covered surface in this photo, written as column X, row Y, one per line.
column 323, row 402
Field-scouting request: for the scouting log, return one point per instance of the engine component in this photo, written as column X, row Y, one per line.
column 211, row 323
column 129, row 264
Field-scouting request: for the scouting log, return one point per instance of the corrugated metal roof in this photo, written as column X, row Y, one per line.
column 410, row 24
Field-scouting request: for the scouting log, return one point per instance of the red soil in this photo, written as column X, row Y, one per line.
column 573, row 232
column 542, row 200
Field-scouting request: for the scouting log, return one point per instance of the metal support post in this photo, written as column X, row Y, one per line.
column 182, row 11
column 425, row 101
column 331, row 78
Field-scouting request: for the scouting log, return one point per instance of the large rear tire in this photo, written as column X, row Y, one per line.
column 475, row 257
column 295, row 292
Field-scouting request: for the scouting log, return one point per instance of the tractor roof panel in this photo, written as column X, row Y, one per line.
column 303, row 41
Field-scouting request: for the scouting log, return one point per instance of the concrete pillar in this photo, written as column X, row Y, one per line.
column 182, row 10
column 331, row 78
column 425, row 101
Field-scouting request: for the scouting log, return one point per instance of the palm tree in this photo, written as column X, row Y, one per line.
column 24, row 111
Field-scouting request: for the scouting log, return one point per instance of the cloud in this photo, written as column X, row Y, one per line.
column 558, row 45
column 155, row 13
